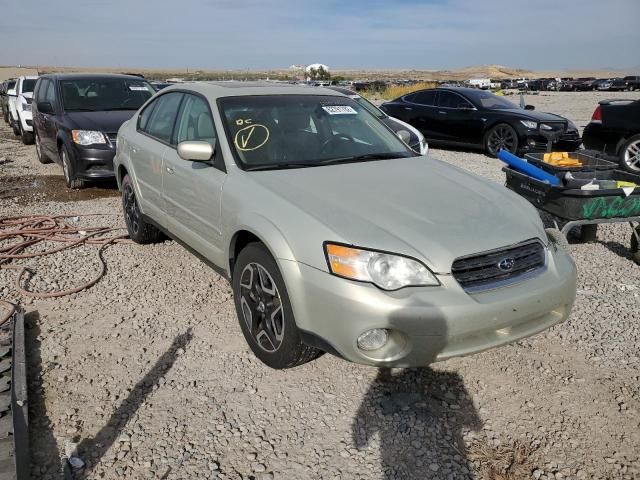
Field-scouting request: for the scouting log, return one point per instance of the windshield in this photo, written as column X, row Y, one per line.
column 370, row 107
column 28, row 84
column 290, row 131
column 490, row 101
column 96, row 94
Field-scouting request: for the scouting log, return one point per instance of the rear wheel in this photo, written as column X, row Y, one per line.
column 630, row 155
column 501, row 136
column 42, row 157
column 68, row 170
column 139, row 230
column 264, row 310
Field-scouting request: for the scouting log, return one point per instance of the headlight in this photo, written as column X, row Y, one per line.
column 87, row 137
column 571, row 126
column 529, row 124
column 387, row 271
column 25, row 106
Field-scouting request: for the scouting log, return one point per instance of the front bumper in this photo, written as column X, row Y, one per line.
column 26, row 120
column 93, row 163
column 568, row 142
column 428, row 324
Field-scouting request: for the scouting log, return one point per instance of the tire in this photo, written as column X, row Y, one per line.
column 42, row 157
column 68, row 170
column 500, row 136
column 630, row 155
column 588, row 233
column 259, row 292
column 635, row 248
column 139, row 230
column 14, row 126
column 27, row 137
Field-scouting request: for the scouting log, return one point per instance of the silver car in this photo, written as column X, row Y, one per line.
column 336, row 236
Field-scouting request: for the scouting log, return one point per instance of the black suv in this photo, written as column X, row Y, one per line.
column 76, row 118
column 632, row 82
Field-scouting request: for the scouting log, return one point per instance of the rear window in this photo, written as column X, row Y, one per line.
column 100, row 94
column 28, row 84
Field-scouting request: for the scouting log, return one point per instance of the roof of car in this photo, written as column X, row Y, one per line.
column 236, row 88
column 88, row 76
column 344, row 90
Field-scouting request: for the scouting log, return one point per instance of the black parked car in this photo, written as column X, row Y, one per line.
column 632, row 82
column 416, row 140
column 614, row 129
column 477, row 118
column 76, row 118
column 578, row 84
column 617, row 84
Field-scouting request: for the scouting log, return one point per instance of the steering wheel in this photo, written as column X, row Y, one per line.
column 333, row 139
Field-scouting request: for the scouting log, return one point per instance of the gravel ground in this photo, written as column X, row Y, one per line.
column 148, row 373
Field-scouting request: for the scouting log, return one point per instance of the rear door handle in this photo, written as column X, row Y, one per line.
column 170, row 170
column 442, row 112
column 408, row 108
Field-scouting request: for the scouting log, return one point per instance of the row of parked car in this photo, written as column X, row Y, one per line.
column 74, row 120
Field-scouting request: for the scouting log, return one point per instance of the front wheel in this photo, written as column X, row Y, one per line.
column 501, row 136
column 14, row 126
column 139, row 230
column 264, row 310
column 68, row 170
column 27, row 137
column 630, row 155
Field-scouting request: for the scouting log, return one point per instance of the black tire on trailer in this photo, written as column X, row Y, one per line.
column 139, row 230
column 264, row 310
column 588, row 233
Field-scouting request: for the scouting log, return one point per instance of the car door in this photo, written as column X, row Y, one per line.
column 193, row 190
column 459, row 120
column 46, row 126
column 154, row 131
column 420, row 111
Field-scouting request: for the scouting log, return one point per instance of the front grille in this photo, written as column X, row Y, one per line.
column 556, row 127
column 491, row 269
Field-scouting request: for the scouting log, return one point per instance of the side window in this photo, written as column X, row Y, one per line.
column 452, row 100
column 50, row 95
column 41, row 90
column 163, row 117
column 143, row 119
column 195, row 122
column 426, row 97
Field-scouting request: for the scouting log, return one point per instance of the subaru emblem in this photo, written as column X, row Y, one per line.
column 506, row 264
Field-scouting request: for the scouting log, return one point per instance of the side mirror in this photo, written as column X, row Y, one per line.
column 404, row 136
column 196, row 151
column 529, row 107
column 45, row 107
column 12, row 92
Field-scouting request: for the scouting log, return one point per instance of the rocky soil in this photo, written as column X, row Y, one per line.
column 146, row 375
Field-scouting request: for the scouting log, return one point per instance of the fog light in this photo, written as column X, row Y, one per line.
column 373, row 339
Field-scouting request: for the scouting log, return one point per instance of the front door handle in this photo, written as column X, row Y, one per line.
column 408, row 108
column 170, row 170
column 442, row 112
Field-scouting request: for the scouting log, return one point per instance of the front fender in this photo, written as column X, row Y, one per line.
column 265, row 230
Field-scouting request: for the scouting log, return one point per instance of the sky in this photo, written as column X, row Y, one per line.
column 347, row 34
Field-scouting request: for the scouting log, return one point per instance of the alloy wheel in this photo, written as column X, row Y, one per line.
column 262, row 307
column 131, row 210
column 632, row 155
column 502, row 137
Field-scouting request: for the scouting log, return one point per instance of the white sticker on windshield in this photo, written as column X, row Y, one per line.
column 339, row 110
column 138, row 89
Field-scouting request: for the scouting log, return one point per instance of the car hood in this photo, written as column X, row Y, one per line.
column 108, row 122
column 533, row 115
column 416, row 206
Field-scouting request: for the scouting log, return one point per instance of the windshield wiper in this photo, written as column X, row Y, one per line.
column 362, row 158
column 279, row 166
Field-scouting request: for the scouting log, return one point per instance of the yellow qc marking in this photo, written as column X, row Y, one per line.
column 251, row 137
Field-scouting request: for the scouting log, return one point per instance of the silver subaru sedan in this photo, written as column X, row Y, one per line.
column 335, row 236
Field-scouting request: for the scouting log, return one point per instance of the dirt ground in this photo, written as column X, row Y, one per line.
column 148, row 373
